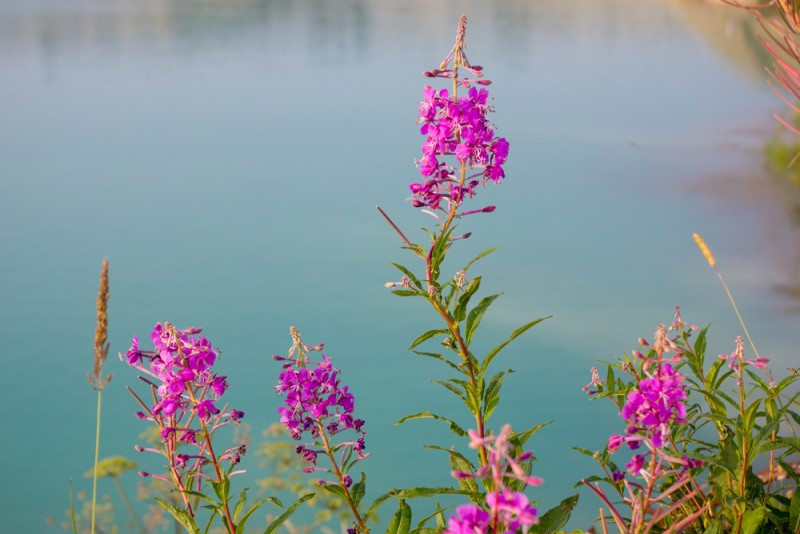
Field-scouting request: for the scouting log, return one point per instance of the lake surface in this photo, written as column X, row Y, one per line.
column 227, row 158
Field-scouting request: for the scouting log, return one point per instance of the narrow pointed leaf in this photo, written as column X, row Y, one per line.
column 479, row 256
column 454, row 427
column 180, row 515
column 460, row 310
column 409, row 274
column 243, row 522
column 442, row 359
column 275, row 525
column 358, row 489
column 556, row 518
column 401, row 522
column 514, row 335
column 450, row 387
column 752, row 520
column 491, row 397
column 476, row 315
column 427, row 335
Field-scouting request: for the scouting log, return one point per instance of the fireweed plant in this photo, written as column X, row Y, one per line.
column 187, row 411
column 318, row 407
column 461, row 151
column 714, row 446
column 708, row 447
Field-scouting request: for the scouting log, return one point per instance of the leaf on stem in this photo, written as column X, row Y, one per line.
column 556, row 518
column 240, row 524
column 454, row 427
column 427, row 335
column 479, row 256
column 460, row 310
column 514, row 335
column 491, row 397
column 285, row 515
column 401, row 522
column 180, row 515
column 358, row 490
column 476, row 315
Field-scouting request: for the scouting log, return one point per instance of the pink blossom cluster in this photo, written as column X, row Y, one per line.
column 656, row 403
column 187, row 397
column 317, row 403
column 506, row 510
column 456, row 127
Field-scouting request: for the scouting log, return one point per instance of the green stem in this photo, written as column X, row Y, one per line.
column 96, row 455
column 128, row 506
column 738, row 315
column 340, row 478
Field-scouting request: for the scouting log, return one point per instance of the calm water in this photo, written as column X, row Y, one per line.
column 227, row 157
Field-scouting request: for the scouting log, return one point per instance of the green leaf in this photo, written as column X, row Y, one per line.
column 440, row 522
column 442, row 359
column 336, row 489
column 587, row 452
column 222, row 488
column 519, row 438
column 792, row 443
column 453, row 389
column 460, row 310
column 180, row 515
column 285, row 515
column 409, row 274
column 700, row 344
column 479, row 256
column 459, row 462
column 476, row 315
column 514, row 335
column 454, row 427
column 243, row 522
column 72, row 509
column 427, row 335
column 401, row 522
column 752, row 520
column 491, row 397
column 411, row 493
column 406, row 293
column 556, row 518
column 358, row 489
column 239, row 505
column 439, row 250
column 794, row 513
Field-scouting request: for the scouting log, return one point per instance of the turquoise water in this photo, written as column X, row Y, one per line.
column 227, row 158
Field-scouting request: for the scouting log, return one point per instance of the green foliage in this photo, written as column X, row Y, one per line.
column 748, row 415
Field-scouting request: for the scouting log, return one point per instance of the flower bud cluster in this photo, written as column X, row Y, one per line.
column 456, row 127
column 737, row 361
column 505, row 507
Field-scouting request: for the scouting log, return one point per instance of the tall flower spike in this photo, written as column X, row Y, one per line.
column 461, row 150
column 101, row 332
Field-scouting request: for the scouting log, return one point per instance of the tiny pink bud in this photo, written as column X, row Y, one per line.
column 483, row 82
column 489, row 209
